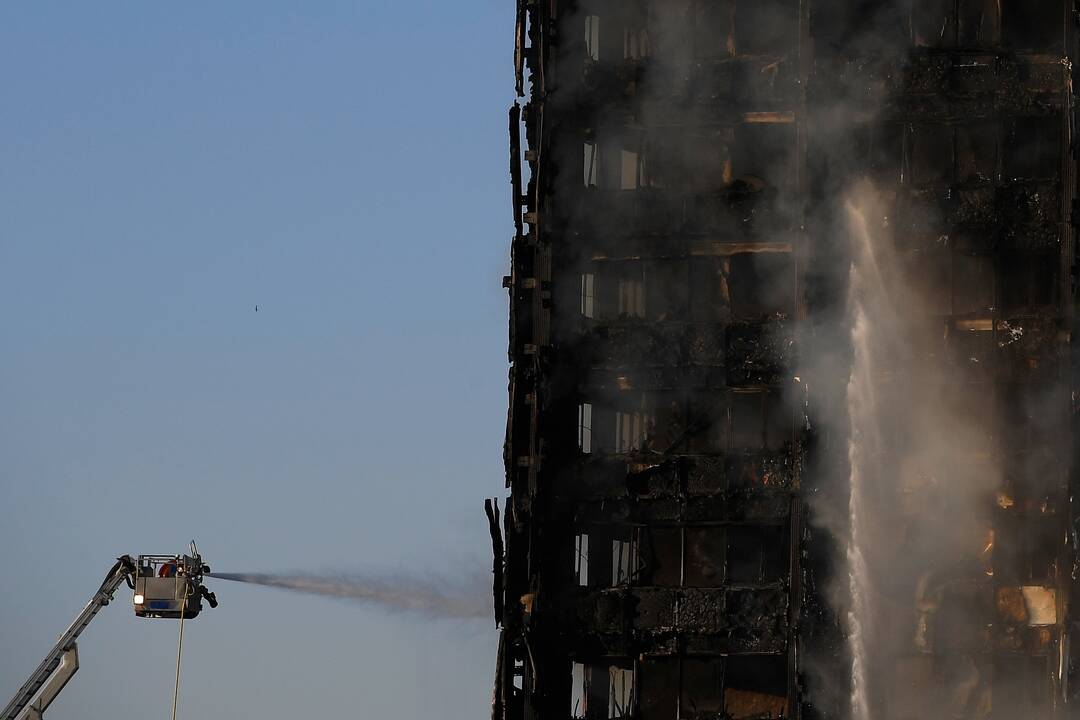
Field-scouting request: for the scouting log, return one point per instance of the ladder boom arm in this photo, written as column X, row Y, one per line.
column 54, row 662
column 69, row 664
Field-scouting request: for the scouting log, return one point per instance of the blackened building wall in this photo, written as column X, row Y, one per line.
column 678, row 244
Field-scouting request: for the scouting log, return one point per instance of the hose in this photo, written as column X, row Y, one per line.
column 179, row 653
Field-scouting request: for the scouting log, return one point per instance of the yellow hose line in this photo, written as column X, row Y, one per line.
column 179, row 652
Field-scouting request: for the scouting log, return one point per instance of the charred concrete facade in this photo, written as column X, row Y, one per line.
column 677, row 168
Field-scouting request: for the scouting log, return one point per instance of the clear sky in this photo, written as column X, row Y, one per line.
column 166, row 167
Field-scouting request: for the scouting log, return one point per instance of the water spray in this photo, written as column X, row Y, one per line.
column 434, row 597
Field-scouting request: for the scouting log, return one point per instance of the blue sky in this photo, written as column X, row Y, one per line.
column 164, row 168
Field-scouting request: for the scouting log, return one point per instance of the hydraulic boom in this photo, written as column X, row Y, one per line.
column 63, row 660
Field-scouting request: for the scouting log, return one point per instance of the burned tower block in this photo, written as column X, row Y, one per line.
column 673, row 545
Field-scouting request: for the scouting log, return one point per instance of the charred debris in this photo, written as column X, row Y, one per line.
column 678, row 270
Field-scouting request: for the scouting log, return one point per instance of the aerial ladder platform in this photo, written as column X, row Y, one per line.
column 164, row 586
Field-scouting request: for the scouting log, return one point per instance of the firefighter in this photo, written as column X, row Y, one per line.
column 168, row 570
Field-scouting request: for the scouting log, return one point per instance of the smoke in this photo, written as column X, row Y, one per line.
column 432, row 597
column 904, row 466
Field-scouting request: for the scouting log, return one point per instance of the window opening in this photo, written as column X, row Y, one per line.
column 635, row 43
column 1029, row 281
column 624, row 561
column 620, row 692
column 973, row 284
column 710, row 298
column 588, row 295
column 705, row 550
column 658, row 694
column 702, row 687
column 1033, row 148
column 667, row 291
column 766, row 27
column 714, row 37
column 980, row 23
column 628, row 431
column 579, row 693
column 976, row 152
column 748, row 421
column 631, row 297
column 1033, row 24
column 756, row 554
column 932, row 23
column 761, row 285
column 581, row 559
column 755, row 686
column 764, row 157
column 931, row 154
column 707, row 423
column 592, row 161
column 592, row 37
column 630, row 166
column 663, row 557
column 585, row 427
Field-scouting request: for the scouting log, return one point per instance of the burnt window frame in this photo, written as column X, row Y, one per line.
column 774, row 409
column 716, row 543
column 674, row 696
column 741, row 289
column 771, row 545
column 1024, row 285
column 755, row 138
column 771, row 542
column 1045, row 45
column 781, row 42
column 969, row 273
column 953, row 33
column 951, row 135
column 1017, row 160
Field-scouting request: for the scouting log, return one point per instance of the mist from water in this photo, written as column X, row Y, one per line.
column 434, row 597
column 920, row 471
